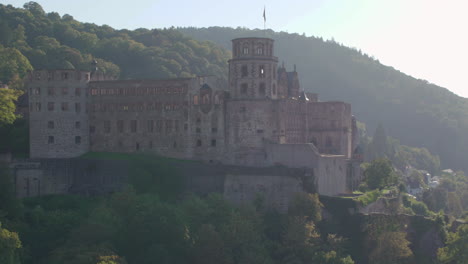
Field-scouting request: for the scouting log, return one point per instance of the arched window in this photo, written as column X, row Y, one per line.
column 245, row 50
column 195, row 99
column 260, row 49
column 206, row 99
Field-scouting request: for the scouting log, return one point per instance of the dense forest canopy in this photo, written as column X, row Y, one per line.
column 414, row 111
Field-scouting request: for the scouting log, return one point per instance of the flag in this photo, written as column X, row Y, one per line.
column 264, row 15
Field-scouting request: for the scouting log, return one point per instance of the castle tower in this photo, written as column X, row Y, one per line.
column 253, row 69
column 58, row 119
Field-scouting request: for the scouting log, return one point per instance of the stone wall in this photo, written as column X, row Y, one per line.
column 58, row 119
column 96, row 176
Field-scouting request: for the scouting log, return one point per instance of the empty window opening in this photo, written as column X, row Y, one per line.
column 262, row 89
column 137, row 146
column 65, row 106
column 107, row 126
column 133, row 126
column 50, row 106
column 213, row 142
column 51, row 140
column 78, row 140
column 244, row 71
column 51, row 124
column 174, row 145
column 77, row 124
column 244, row 88
column 199, row 143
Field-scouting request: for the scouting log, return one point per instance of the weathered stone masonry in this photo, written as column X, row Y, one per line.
column 260, row 118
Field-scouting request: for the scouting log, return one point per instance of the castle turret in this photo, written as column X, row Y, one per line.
column 253, row 68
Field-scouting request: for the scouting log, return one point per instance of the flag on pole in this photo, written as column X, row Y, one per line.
column 264, row 15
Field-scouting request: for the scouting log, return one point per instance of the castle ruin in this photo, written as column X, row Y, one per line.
column 260, row 118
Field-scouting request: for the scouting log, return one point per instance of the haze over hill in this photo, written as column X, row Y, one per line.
column 414, row 111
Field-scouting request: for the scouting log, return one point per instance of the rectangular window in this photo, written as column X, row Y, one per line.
column 133, row 126
column 244, row 88
column 51, row 140
column 51, row 91
column 120, row 126
column 78, row 140
column 214, row 130
column 77, row 124
column 38, row 107
column 64, row 90
column 64, row 106
column 213, row 142
column 38, row 75
column 244, row 71
column 176, row 125
column 168, row 126
column 107, row 126
column 51, row 125
column 150, row 124
column 262, row 89
column 77, row 107
column 94, row 91
column 50, row 106
column 78, row 91
column 64, row 75
column 159, row 125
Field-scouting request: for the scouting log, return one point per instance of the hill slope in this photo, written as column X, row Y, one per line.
column 414, row 111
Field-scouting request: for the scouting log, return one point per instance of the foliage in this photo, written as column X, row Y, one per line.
column 9, row 205
column 9, row 247
column 456, row 250
column 380, row 174
column 369, row 197
column 8, row 97
column 306, row 204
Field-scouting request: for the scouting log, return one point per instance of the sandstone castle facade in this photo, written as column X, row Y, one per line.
column 260, row 118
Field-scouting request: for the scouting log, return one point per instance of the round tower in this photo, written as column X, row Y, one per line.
column 58, row 118
column 253, row 69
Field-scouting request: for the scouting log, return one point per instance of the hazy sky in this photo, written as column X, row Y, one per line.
column 427, row 39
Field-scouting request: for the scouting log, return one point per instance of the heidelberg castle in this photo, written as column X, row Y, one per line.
column 261, row 118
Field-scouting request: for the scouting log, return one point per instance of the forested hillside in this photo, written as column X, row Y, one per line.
column 416, row 112
column 50, row 41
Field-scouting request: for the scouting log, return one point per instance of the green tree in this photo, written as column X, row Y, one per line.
column 380, row 174
column 456, row 249
column 8, row 97
column 306, row 204
column 391, row 248
column 9, row 247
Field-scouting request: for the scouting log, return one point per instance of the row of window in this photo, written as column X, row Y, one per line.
column 51, row 140
column 51, row 124
column 51, row 91
column 261, row 72
column 244, row 88
column 63, row 76
column 139, row 91
column 205, row 99
column 152, row 126
column 138, row 147
column 51, row 106
column 104, row 107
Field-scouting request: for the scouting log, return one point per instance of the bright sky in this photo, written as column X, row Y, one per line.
column 427, row 39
